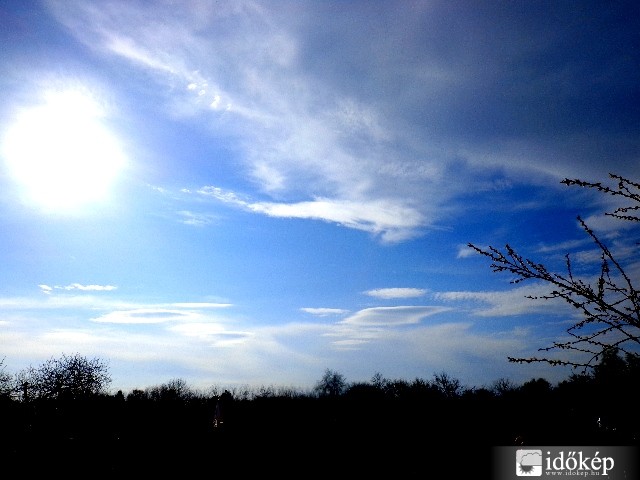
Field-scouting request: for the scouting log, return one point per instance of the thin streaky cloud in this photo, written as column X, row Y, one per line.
column 506, row 303
column 184, row 57
column 399, row 292
column 464, row 251
column 391, row 219
column 146, row 316
column 90, row 302
column 209, row 331
column 198, row 305
column 196, row 219
column 87, row 288
column 77, row 286
column 358, row 193
column 392, row 316
column 62, row 301
column 562, row 247
column 324, row 312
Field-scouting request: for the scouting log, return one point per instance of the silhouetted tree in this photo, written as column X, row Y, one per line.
column 612, row 369
column 332, row 384
column 590, row 394
column 447, row 385
column 396, row 388
column 175, row 390
column 615, row 375
column 536, row 389
column 68, row 377
column 377, row 380
column 5, row 381
column 137, row 395
column 579, row 386
column 503, row 386
column 609, row 305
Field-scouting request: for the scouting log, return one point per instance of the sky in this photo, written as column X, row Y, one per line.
column 249, row 193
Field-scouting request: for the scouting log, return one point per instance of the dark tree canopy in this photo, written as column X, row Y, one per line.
column 449, row 386
column 332, row 384
column 608, row 302
column 5, row 381
column 68, row 377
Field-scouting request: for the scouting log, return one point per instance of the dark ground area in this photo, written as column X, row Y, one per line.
column 362, row 433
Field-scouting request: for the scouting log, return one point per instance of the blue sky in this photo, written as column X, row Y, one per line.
column 249, row 193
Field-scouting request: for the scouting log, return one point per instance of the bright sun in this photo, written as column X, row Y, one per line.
column 61, row 153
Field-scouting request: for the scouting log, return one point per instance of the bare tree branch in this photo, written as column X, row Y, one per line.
column 609, row 306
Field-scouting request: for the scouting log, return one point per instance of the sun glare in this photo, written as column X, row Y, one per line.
column 61, row 153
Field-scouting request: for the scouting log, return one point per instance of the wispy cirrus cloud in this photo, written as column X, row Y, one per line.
column 196, row 219
column 92, row 302
column 464, row 251
column 398, row 292
column 392, row 316
column 325, row 148
column 199, row 305
column 216, row 334
column 77, row 286
column 144, row 316
column 391, row 219
column 301, row 135
column 161, row 313
column 324, row 312
column 229, row 349
column 501, row 303
column 562, row 247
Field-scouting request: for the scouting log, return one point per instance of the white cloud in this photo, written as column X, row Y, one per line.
column 389, row 218
column 54, row 302
column 145, row 316
column 185, row 337
column 198, row 305
column 324, row 312
column 300, row 135
column 198, row 329
column 391, row 316
column 93, row 303
column 86, row 288
column 562, row 247
column 196, row 219
column 349, row 344
column 308, row 132
column 77, row 286
column 161, row 313
column 505, row 303
column 222, row 195
column 389, row 293
column 464, row 251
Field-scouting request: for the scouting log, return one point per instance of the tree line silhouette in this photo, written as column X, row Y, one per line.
column 71, row 419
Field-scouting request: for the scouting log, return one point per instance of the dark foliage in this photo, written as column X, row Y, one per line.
column 70, row 377
column 5, row 382
column 395, row 427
